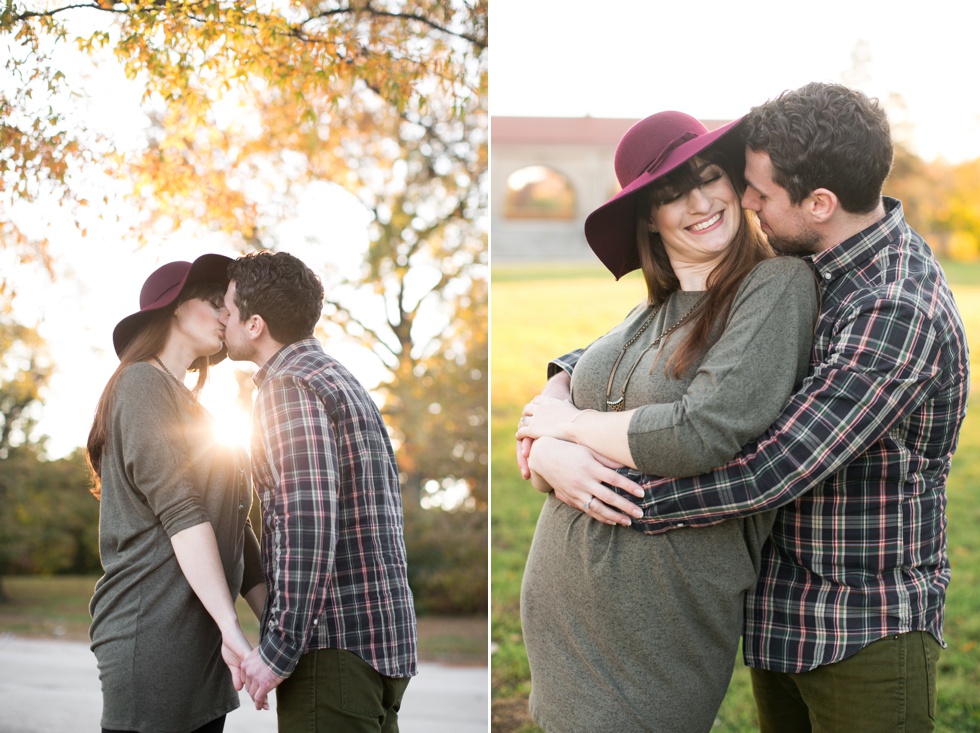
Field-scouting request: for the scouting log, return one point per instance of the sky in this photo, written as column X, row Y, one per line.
column 715, row 60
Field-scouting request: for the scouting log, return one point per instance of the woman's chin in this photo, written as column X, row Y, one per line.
column 211, row 349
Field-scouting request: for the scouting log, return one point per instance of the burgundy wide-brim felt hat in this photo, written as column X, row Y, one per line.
column 163, row 287
column 649, row 150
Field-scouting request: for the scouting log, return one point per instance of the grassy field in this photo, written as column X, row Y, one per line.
column 57, row 608
column 539, row 312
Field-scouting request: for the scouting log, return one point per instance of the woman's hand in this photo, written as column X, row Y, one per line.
column 547, row 417
column 559, row 387
column 605, row 433
column 234, row 648
column 578, row 475
column 259, row 679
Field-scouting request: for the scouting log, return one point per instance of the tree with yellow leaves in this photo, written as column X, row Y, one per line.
column 253, row 106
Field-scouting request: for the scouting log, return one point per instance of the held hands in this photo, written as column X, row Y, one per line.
column 558, row 387
column 234, row 650
column 259, row 679
column 551, row 417
column 578, row 475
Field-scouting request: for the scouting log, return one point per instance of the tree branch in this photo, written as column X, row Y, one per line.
column 479, row 43
column 375, row 338
column 29, row 14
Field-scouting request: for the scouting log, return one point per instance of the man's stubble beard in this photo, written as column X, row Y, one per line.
column 797, row 246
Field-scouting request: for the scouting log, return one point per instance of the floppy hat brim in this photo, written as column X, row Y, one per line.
column 611, row 228
column 206, row 267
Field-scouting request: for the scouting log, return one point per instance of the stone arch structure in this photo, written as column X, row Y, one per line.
column 581, row 150
column 538, row 192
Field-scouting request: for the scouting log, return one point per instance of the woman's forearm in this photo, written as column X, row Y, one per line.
column 607, row 433
column 196, row 550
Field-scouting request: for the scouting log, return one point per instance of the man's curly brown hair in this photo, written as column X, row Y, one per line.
column 825, row 136
column 280, row 288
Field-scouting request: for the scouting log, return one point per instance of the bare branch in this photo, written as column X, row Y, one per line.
column 479, row 43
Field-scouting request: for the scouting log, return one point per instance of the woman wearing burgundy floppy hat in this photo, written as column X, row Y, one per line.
column 174, row 538
column 624, row 631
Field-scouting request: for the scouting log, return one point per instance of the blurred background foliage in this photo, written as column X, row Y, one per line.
column 249, row 110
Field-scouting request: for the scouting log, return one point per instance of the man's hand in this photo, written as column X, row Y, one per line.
column 577, row 475
column 259, row 679
column 559, row 387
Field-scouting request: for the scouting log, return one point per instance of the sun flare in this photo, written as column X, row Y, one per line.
column 232, row 425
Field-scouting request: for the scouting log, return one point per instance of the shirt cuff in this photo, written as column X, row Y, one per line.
column 563, row 364
column 279, row 653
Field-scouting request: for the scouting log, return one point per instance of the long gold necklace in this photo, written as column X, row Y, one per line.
column 620, row 404
column 172, row 375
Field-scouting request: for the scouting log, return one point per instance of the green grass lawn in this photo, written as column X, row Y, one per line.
column 57, row 608
column 539, row 312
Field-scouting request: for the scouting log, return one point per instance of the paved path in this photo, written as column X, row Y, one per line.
column 53, row 687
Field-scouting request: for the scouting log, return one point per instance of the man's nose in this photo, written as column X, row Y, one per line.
column 750, row 200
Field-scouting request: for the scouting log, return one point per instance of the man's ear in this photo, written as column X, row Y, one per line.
column 821, row 205
column 255, row 327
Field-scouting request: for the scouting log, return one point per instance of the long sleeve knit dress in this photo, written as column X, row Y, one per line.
column 629, row 632
column 163, row 471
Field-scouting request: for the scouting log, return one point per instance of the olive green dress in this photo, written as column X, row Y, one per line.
column 630, row 632
column 163, row 471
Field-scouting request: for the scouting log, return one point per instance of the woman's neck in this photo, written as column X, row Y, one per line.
column 693, row 275
column 175, row 362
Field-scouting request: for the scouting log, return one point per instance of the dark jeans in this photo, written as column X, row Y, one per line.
column 215, row 726
column 888, row 686
column 336, row 690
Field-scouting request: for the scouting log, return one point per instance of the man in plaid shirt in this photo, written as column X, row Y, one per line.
column 844, row 629
column 338, row 635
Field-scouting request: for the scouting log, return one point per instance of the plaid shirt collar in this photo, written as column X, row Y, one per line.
column 283, row 357
column 856, row 250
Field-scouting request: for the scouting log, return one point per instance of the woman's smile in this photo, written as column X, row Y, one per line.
column 706, row 224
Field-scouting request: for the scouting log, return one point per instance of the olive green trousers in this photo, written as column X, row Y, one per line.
column 335, row 690
column 887, row 687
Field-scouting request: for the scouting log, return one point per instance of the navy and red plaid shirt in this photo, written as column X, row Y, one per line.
column 857, row 462
column 332, row 524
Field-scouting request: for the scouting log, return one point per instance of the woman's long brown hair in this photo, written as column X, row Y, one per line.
column 749, row 248
column 147, row 343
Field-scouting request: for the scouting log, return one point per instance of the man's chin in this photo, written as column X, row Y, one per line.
column 234, row 354
column 795, row 246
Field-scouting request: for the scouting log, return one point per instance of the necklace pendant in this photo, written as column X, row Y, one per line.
column 617, row 406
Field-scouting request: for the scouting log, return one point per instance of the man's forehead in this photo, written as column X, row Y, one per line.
column 758, row 168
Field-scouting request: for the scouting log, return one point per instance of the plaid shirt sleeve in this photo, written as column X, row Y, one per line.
column 882, row 362
column 564, row 363
column 300, row 446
